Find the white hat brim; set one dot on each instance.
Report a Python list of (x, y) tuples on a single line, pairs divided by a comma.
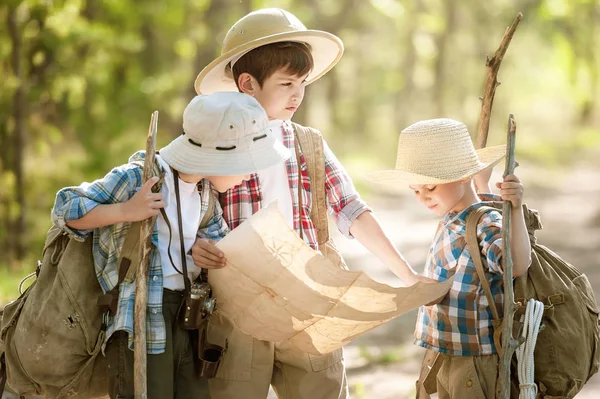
[(326, 49), (488, 157), (191, 159)]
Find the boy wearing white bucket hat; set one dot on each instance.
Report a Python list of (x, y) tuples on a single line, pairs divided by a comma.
[(225, 138), (270, 55), (437, 160)]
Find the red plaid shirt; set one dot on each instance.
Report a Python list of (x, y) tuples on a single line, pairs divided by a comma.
[(344, 203)]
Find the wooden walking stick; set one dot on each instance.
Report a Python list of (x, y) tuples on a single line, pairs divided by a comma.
[(491, 82), (509, 343), (141, 285)]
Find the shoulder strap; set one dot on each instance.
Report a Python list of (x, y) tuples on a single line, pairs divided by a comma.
[(311, 144), (473, 245), (211, 208)]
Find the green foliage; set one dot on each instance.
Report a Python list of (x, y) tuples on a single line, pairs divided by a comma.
[(93, 71)]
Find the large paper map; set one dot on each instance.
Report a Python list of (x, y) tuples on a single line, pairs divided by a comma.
[(276, 288)]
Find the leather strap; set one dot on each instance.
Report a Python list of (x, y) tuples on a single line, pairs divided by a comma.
[(473, 245), (203, 223), (186, 280), (128, 258)]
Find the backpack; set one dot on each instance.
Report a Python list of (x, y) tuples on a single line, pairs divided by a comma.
[(53, 333), (566, 353), (310, 141)]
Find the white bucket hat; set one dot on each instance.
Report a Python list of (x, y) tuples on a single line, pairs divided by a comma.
[(224, 134), (266, 26), (437, 151)]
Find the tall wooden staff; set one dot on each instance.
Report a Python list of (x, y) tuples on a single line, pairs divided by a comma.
[(509, 344), (141, 285)]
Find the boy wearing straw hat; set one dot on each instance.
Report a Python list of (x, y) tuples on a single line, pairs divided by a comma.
[(225, 138), (270, 55), (437, 160)]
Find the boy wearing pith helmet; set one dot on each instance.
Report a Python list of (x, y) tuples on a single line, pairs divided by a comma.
[(225, 138), (270, 55), (436, 159)]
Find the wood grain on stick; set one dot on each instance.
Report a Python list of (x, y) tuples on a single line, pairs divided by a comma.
[(141, 295), (509, 343), (491, 82)]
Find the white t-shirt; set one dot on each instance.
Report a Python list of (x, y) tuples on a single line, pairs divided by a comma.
[(190, 210), (274, 182)]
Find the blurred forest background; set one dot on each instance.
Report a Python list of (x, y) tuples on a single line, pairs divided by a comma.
[(81, 78)]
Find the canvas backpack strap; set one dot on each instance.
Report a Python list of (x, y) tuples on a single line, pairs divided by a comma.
[(210, 210), (310, 142), (212, 199), (128, 258), (473, 245)]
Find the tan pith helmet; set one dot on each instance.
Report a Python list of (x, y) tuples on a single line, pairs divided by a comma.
[(266, 26)]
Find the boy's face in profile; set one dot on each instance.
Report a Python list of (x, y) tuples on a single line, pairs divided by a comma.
[(220, 183), (281, 94), (224, 183), (444, 198)]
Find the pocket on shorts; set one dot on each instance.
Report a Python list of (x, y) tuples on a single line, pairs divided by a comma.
[(479, 373), (323, 362), (236, 364)]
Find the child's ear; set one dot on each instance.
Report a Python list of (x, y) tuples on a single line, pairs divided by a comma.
[(246, 84)]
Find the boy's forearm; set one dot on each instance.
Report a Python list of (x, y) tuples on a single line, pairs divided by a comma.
[(102, 215), (520, 245), (367, 230)]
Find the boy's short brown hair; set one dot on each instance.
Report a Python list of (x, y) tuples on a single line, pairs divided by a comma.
[(262, 62)]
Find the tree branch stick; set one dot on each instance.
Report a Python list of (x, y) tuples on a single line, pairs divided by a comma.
[(493, 66), (509, 343), (141, 286)]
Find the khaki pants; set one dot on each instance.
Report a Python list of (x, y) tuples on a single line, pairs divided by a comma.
[(250, 366), (464, 377), (171, 374)]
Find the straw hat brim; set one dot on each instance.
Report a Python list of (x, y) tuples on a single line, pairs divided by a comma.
[(189, 158), (326, 49), (488, 157)]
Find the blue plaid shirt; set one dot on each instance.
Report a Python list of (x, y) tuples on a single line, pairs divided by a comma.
[(461, 324), (120, 185)]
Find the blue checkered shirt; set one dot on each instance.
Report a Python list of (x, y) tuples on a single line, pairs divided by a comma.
[(120, 185), (461, 324)]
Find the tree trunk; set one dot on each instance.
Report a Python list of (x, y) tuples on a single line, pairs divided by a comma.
[(17, 232), (214, 16), (403, 99), (442, 40)]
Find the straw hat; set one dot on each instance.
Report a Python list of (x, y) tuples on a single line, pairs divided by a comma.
[(437, 151), (266, 26), (224, 134)]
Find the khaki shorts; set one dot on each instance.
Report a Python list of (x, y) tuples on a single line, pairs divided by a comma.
[(462, 377), (249, 367)]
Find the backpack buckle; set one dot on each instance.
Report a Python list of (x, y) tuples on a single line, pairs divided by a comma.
[(105, 318)]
